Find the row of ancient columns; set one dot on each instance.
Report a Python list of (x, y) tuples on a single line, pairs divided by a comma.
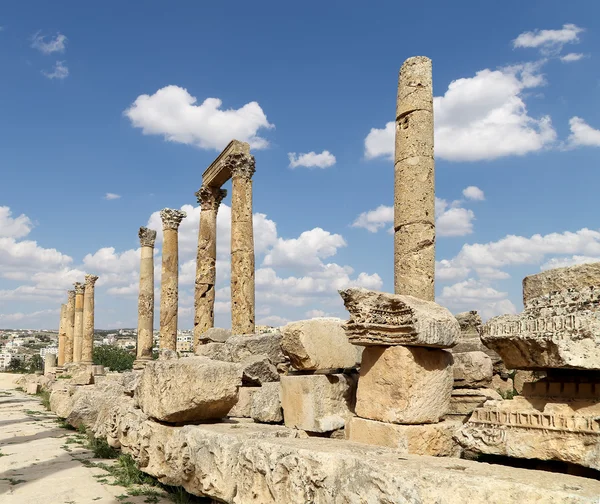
[(76, 329)]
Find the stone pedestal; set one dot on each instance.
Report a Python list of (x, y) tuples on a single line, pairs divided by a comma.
[(404, 385), (242, 244), (169, 289), (209, 199), (49, 361), (146, 298), (414, 196), (69, 327), (87, 347), (78, 326), (62, 334)]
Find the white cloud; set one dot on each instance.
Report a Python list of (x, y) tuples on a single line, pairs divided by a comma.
[(473, 193), (373, 220), (582, 134), (273, 321), (60, 71), (569, 58), (480, 118), (16, 227), (111, 196), (312, 159), (13, 317), (173, 113), (451, 219), (54, 44), (563, 262), (550, 42)]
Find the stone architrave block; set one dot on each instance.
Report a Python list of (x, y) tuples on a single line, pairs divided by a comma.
[(241, 347), (464, 401), (258, 369), (435, 440), (472, 370), (188, 389), (317, 403), (215, 335), (382, 319), (577, 278), (216, 351), (404, 385), (243, 407), (318, 344), (266, 404)]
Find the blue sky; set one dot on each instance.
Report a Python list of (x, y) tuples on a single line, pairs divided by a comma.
[(110, 99)]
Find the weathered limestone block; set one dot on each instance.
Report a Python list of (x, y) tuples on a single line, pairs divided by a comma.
[(472, 370), (577, 278), (318, 343), (257, 369), (318, 403), (89, 401), (435, 440), (243, 346), (103, 424), (266, 404), (81, 374), (379, 318), (502, 386), (215, 335), (523, 377), (188, 389), (216, 351), (464, 401), (243, 406), (33, 388), (61, 400), (406, 385)]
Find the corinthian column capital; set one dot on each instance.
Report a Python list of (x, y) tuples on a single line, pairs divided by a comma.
[(210, 198), (171, 218), (71, 295), (79, 288), (241, 165), (90, 280), (147, 237)]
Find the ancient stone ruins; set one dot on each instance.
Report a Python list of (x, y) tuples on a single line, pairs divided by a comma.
[(403, 402)]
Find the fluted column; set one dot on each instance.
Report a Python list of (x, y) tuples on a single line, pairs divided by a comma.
[(169, 288), (414, 193), (78, 328), (62, 335), (146, 297), (87, 348), (242, 244), (69, 327), (206, 273)]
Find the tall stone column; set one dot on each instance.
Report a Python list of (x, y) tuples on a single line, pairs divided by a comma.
[(62, 335), (78, 328), (206, 273), (169, 288), (146, 297), (87, 347), (70, 327), (242, 244), (414, 195)]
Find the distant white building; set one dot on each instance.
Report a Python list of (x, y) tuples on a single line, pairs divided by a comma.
[(185, 343), (50, 349), (6, 357)]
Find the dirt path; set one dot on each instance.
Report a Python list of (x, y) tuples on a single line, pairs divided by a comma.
[(43, 463)]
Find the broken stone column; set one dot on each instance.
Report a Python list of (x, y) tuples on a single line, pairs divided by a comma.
[(169, 289), (87, 347), (69, 327), (206, 273), (78, 327), (146, 297), (414, 195), (242, 168), (62, 335)]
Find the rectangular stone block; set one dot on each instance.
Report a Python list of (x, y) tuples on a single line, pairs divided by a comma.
[(404, 385), (243, 406), (33, 388), (464, 401), (318, 344), (430, 439), (188, 389), (317, 403), (472, 370), (379, 318)]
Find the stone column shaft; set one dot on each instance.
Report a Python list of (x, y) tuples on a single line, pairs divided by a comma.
[(242, 247), (146, 297), (169, 289), (206, 272), (69, 327), (78, 328), (62, 335), (87, 347), (414, 192)]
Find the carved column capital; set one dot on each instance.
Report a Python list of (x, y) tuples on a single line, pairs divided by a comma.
[(90, 280), (79, 288), (210, 198), (241, 165), (171, 218), (147, 237), (71, 295)]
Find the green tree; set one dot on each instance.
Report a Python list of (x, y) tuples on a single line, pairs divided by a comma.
[(117, 359), (14, 365), (36, 363)]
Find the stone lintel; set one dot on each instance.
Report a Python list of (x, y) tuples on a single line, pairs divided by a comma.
[(219, 172)]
